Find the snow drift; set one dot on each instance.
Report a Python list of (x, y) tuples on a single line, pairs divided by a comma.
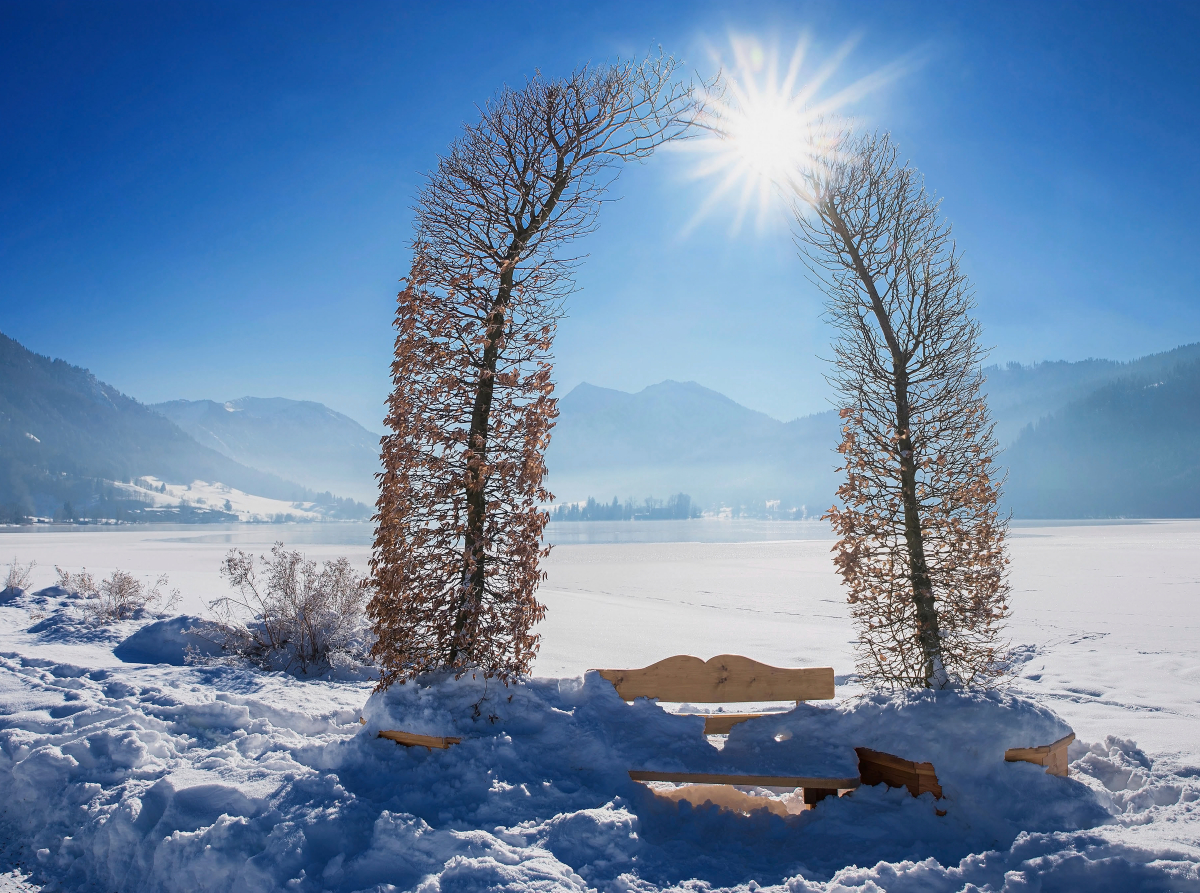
[(153, 776)]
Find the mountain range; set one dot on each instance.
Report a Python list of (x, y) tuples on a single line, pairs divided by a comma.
[(67, 439), (1089, 439), (295, 439), (1095, 438), (682, 437)]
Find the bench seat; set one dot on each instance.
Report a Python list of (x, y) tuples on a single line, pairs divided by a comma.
[(1052, 756), (731, 678), (765, 781)]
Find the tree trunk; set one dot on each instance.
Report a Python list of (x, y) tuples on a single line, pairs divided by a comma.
[(474, 551), (474, 545), (918, 568), (922, 585)]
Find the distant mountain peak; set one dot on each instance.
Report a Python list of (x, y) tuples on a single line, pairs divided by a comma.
[(668, 388), (298, 439)]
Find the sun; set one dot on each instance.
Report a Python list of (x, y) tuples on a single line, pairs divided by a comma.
[(763, 119), (761, 128)]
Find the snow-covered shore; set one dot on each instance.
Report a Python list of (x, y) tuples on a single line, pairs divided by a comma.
[(131, 776)]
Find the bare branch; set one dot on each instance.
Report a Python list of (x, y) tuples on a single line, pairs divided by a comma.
[(921, 546), (459, 535)]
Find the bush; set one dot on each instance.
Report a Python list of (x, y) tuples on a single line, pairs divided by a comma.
[(77, 584), (289, 613), (18, 575), (120, 597)]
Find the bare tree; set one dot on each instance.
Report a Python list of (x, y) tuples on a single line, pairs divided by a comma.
[(459, 535), (921, 545)]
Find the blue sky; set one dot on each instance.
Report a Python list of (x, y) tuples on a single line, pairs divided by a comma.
[(212, 199)]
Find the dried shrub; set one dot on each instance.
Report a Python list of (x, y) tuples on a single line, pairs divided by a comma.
[(289, 613), (121, 596), (19, 574), (81, 583)]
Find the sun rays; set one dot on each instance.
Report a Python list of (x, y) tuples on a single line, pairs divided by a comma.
[(761, 123)]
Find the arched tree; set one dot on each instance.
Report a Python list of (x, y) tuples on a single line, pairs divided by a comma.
[(922, 546), (459, 530)]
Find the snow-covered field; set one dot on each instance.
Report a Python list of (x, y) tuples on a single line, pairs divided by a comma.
[(202, 494), (130, 776)]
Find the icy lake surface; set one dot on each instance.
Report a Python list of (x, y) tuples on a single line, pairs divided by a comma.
[(1106, 622)]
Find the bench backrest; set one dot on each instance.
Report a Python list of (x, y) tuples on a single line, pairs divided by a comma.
[(722, 679)]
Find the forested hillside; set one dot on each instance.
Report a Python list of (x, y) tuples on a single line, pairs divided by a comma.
[(1020, 395), (1130, 448), (64, 434)]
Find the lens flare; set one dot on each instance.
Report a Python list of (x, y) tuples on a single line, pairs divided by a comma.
[(761, 126)]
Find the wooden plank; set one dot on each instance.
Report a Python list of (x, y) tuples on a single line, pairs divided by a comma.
[(721, 723), (1059, 763), (724, 797), (411, 739), (766, 781), (724, 678), (813, 796), (877, 767), (1052, 756)]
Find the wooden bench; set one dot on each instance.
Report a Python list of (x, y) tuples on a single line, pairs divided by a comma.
[(729, 678), (1052, 756), (876, 767)]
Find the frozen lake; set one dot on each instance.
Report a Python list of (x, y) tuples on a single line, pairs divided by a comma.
[(1108, 615)]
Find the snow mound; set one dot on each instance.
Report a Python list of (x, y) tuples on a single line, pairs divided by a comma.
[(573, 737), (58, 617), (143, 776), (165, 642)]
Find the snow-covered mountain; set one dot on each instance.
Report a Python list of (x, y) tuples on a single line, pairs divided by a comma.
[(67, 440), (296, 439)]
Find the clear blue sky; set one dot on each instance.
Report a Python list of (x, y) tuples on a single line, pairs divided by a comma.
[(212, 199)]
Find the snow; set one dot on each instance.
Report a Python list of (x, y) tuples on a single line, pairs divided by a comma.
[(145, 774), (165, 642), (218, 496)]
